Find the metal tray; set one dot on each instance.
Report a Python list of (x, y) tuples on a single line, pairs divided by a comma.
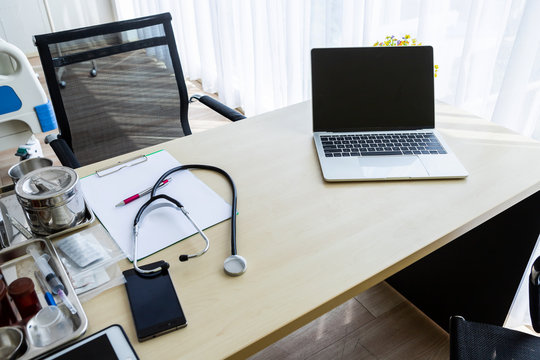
[(14, 209), (89, 218), (16, 255)]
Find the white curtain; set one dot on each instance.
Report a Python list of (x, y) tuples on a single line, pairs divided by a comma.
[(256, 53)]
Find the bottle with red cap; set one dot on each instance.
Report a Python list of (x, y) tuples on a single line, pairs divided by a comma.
[(24, 295)]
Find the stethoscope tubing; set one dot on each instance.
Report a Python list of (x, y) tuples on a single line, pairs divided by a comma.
[(154, 197), (212, 168)]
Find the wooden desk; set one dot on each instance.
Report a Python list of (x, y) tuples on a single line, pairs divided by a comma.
[(312, 245)]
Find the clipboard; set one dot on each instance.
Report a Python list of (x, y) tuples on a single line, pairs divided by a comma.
[(120, 165), (164, 225)]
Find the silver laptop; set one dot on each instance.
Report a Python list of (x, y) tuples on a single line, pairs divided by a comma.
[(374, 115)]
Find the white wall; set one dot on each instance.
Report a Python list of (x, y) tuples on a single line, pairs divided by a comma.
[(21, 19)]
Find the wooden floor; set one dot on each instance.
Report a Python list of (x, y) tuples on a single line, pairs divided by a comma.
[(377, 324)]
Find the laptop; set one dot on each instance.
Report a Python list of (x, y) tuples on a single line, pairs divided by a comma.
[(374, 115)]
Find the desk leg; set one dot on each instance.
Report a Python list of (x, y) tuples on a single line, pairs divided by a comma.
[(476, 275)]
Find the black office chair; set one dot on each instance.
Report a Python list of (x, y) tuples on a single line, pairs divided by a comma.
[(471, 340), (116, 88)]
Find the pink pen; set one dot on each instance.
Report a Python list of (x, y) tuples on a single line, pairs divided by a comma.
[(142, 193)]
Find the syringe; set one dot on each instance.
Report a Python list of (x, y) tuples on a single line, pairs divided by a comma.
[(42, 262)]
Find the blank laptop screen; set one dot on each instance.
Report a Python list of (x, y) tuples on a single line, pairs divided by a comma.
[(372, 89)]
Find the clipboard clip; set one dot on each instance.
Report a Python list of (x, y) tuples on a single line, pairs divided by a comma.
[(120, 165)]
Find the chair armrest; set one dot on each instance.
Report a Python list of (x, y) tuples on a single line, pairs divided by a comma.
[(62, 151), (218, 107), (534, 295)]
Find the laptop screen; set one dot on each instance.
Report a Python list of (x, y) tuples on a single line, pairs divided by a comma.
[(372, 88)]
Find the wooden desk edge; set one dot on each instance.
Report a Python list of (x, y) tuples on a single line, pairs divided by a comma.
[(381, 276)]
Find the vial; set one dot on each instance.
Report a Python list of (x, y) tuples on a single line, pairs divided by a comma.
[(24, 295), (7, 317)]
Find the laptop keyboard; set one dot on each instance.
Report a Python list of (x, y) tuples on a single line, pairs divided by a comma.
[(381, 144)]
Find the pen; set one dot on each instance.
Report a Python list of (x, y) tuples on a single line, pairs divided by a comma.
[(142, 193)]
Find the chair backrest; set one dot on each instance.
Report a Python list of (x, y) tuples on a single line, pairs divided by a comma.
[(471, 340), (115, 87)]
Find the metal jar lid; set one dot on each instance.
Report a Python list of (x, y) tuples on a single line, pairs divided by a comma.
[(47, 187)]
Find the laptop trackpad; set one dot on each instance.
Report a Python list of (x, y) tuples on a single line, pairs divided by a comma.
[(398, 167)]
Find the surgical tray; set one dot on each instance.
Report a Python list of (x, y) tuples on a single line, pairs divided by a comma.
[(15, 259)]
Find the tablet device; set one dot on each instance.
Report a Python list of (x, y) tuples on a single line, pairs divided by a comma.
[(108, 344)]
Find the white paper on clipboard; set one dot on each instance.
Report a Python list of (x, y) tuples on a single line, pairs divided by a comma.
[(162, 226)]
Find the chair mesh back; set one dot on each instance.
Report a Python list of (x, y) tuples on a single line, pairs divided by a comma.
[(131, 101), (471, 341)]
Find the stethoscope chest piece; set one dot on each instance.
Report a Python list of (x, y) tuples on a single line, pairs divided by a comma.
[(235, 265)]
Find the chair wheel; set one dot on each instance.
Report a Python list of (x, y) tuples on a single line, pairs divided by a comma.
[(93, 73), (62, 84)]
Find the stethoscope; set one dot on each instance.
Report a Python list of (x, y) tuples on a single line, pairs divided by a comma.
[(234, 265)]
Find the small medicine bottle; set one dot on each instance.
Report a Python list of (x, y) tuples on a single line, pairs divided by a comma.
[(24, 295), (7, 316)]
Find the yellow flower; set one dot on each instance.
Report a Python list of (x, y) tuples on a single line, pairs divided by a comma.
[(391, 40)]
